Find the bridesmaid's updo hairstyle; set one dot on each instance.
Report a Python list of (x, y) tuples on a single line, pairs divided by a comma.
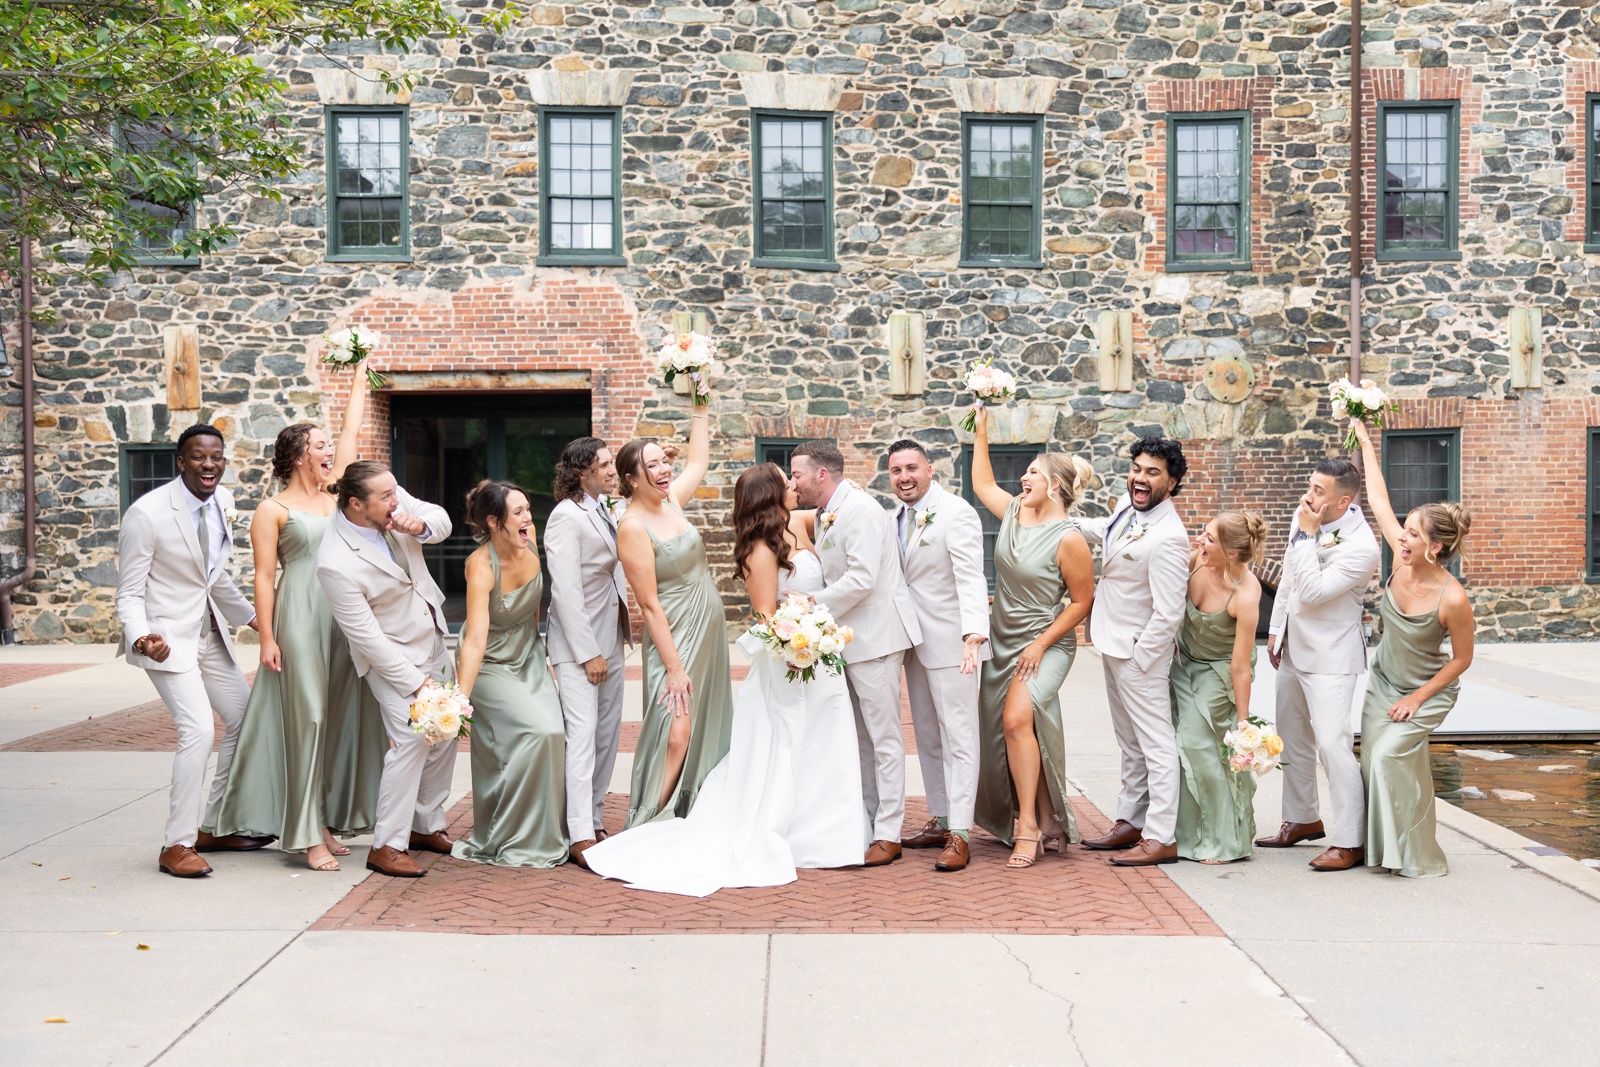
[(1068, 476), (759, 517), (490, 500), (1447, 525), (1242, 535), (630, 464), (291, 445)]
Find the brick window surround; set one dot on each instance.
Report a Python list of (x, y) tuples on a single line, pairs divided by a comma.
[(1403, 84), (1173, 96), (1583, 79)]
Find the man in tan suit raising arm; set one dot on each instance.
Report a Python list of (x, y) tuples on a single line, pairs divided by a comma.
[(392, 614)]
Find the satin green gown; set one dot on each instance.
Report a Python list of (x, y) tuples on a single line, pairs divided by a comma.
[(519, 742), (695, 617), (1401, 834), (1029, 593), (1216, 817), (311, 749)]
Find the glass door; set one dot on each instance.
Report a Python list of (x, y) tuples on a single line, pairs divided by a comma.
[(442, 446)]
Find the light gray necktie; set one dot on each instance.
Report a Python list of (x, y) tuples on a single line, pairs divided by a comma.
[(905, 528), (203, 531)]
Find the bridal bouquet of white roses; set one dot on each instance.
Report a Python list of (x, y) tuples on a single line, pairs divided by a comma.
[(349, 347), (440, 712), (804, 636), (693, 354), (987, 383), (1251, 746), (1365, 402)]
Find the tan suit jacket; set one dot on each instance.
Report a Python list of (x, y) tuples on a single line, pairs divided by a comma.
[(944, 573), (588, 598), (865, 588), (1144, 583), (1321, 597)]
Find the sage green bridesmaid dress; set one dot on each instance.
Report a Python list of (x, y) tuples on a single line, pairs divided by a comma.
[(1216, 816), (519, 743), (311, 749), (1394, 755), (695, 617), (1029, 593)]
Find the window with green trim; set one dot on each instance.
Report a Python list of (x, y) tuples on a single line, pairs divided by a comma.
[(1592, 568), (1002, 162), (1420, 467), (141, 468), (1009, 463), (165, 222), (368, 177), (580, 187), (1208, 178), (1591, 154), (777, 450), (1418, 194), (792, 172)]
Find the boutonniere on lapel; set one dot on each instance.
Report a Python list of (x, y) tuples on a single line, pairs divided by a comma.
[(614, 507), (1331, 539), (924, 518), (1134, 532), (824, 524), (230, 519)]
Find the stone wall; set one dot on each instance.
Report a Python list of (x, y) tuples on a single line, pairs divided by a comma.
[(808, 350)]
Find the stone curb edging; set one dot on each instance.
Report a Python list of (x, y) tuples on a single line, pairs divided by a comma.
[(1542, 858)]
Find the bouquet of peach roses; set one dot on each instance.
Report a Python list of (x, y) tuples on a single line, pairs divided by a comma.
[(804, 636), (440, 712), (987, 383), (1251, 746)]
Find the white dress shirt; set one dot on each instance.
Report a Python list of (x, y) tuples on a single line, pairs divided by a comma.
[(367, 532), (216, 541), (908, 515)]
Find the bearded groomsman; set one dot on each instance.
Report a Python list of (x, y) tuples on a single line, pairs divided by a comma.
[(1144, 583), (941, 549), (173, 583), (392, 613), (865, 590), (588, 630), (1317, 646)]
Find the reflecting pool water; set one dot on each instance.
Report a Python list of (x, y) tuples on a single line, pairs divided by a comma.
[(1549, 792)]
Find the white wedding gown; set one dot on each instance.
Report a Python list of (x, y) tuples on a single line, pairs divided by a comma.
[(787, 794)]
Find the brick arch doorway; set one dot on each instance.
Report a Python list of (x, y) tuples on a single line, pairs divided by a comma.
[(443, 444)]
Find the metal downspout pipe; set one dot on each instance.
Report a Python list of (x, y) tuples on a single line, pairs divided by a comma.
[(8, 632)]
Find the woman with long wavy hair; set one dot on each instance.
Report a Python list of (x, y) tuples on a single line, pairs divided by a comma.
[(788, 793)]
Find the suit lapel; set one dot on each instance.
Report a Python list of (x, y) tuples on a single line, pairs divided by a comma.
[(597, 522), (369, 552), (1111, 527), (929, 503), (179, 496)]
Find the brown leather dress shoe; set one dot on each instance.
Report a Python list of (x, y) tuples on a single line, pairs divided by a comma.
[(394, 863), (930, 836), (1123, 835), (205, 842), (181, 861), (575, 853), (1292, 832), (1338, 858), (434, 842), (1147, 853), (600, 834), (881, 852), (955, 855)]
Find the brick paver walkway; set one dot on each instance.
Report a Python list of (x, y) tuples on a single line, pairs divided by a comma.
[(1082, 894), (12, 673)]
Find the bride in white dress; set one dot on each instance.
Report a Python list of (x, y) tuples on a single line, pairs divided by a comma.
[(788, 793)]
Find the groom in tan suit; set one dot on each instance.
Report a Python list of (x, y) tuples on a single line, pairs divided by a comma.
[(392, 614)]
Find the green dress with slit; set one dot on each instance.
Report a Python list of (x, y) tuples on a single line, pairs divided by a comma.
[(1029, 592), (1216, 814), (1401, 834), (311, 749), (694, 611), (519, 741)]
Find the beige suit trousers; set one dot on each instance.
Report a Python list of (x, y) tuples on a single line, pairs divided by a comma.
[(416, 776), (214, 682), (944, 718), (875, 694), (1141, 718)]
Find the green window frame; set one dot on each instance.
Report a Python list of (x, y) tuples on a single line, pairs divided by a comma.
[(1000, 211), (777, 450), (1420, 467), (1419, 201), (1591, 155), (1200, 205), (143, 467), (152, 250), (1591, 568), (369, 184), (792, 222), (578, 202), (1010, 463)]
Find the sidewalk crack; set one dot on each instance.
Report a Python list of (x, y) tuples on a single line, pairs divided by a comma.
[(1027, 969)]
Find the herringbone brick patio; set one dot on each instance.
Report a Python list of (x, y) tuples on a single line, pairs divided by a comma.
[(12, 673)]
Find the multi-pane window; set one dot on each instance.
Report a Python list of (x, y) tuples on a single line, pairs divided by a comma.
[(1421, 467), (1208, 175), (793, 180), (1593, 566), (1417, 165), (1592, 155), (1009, 463), (776, 450), (145, 467), (165, 224), (1002, 160), (580, 217), (368, 165)]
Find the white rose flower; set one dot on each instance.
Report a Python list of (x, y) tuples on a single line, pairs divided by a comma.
[(828, 645)]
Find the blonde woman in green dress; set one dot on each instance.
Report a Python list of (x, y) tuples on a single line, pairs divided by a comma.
[(1413, 681), (519, 742), (1039, 555), (688, 703), (311, 750), (1210, 681)]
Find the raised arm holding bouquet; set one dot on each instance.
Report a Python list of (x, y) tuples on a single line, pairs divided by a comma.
[(693, 354), (1363, 403), (987, 383), (353, 346)]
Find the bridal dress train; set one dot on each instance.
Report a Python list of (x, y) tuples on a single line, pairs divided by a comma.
[(787, 795)]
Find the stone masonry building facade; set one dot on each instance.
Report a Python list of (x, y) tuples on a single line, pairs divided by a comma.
[(860, 197)]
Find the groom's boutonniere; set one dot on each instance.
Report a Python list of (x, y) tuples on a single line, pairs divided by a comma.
[(824, 524), (1330, 539), (613, 506)]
